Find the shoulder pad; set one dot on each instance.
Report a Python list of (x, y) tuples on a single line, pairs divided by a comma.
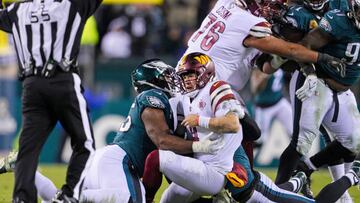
[(220, 91), (260, 30)]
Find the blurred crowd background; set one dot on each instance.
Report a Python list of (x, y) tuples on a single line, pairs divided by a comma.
[(119, 36)]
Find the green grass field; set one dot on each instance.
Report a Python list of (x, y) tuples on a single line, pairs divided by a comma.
[(57, 173)]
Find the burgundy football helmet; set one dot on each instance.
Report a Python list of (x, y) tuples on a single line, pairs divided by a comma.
[(198, 63)]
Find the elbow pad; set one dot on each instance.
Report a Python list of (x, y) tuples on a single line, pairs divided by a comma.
[(232, 106)]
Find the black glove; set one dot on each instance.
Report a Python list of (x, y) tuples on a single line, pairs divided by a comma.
[(336, 63)]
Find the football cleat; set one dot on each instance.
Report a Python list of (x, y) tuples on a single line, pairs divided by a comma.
[(306, 189), (7, 164), (301, 179), (224, 196), (60, 197), (356, 168)]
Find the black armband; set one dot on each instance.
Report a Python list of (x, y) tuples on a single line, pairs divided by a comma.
[(307, 68), (260, 60)]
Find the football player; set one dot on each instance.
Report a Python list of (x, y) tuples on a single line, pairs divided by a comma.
[(299, 20), (210, 110), (45, 187), (302, 19), (270, 103), (114, 172), (233, 36), (333, 104)]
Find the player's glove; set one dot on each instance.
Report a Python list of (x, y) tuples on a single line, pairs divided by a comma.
[(210, 144), (336, 63), (277, 61), (308, 88)]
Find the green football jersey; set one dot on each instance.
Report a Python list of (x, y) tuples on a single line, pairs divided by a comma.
[(272, 92), (132, 136), (302, 18), (345, 46), (305, 20)]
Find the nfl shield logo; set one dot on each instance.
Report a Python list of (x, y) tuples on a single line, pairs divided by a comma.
[(202, 105)]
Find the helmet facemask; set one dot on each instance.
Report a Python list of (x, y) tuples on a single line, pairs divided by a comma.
[(156, 74), (355, 12), (316, 5)]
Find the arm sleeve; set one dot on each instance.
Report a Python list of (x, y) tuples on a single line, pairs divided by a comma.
[(86, 7)]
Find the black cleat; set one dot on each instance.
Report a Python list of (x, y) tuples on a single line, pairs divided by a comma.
[(306, 189), (60, 197)]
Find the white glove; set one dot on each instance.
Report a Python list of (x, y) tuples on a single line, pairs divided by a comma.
[(210, 144), (308, 88)]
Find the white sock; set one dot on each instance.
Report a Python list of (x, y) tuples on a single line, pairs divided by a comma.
[(310, 164), (353, 178), (348, 166), (346, 195), (336, 171), (104, 195), (45, 187), (296, 183)]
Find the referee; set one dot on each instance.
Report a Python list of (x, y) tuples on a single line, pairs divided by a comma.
[(47, 39)]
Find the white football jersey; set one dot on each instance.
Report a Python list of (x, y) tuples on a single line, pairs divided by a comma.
[(208, 103), (221, 37)]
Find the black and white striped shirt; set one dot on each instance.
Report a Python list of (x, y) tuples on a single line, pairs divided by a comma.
[(47, 29)]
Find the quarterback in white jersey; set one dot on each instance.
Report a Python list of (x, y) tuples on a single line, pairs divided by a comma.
[(210, 110)]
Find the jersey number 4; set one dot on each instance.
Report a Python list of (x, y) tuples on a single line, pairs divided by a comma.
[(212, 35)]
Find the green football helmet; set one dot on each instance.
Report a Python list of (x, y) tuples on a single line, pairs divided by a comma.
[(154, 73), (354, 12)]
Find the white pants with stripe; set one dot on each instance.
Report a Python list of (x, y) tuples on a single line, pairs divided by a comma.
[(191, 178), (280, 111), (266, 192), (108, 178), (343, 125)]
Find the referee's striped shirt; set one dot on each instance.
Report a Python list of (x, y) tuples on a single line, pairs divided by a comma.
[(44, 29)]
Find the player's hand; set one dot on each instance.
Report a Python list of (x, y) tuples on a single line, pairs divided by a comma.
[(338, 64), (277, 61), (191, 120), (210, 144), (308, 88)]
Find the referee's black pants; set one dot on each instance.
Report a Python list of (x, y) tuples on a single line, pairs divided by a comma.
[(44, 102)]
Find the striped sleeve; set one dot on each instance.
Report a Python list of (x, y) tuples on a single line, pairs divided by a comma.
[(220, 91), (260, 30)]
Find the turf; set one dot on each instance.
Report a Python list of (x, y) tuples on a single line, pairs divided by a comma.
[(57, 173)]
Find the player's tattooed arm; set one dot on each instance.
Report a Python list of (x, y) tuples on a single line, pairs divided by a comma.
[(160, 133), (228, 123)]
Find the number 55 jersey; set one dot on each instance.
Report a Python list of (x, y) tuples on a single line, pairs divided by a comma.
[(221, 37)]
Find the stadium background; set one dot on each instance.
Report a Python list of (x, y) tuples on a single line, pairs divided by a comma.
[(137, 29)]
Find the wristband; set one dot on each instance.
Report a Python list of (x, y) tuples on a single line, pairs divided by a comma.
[(204, 121)]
